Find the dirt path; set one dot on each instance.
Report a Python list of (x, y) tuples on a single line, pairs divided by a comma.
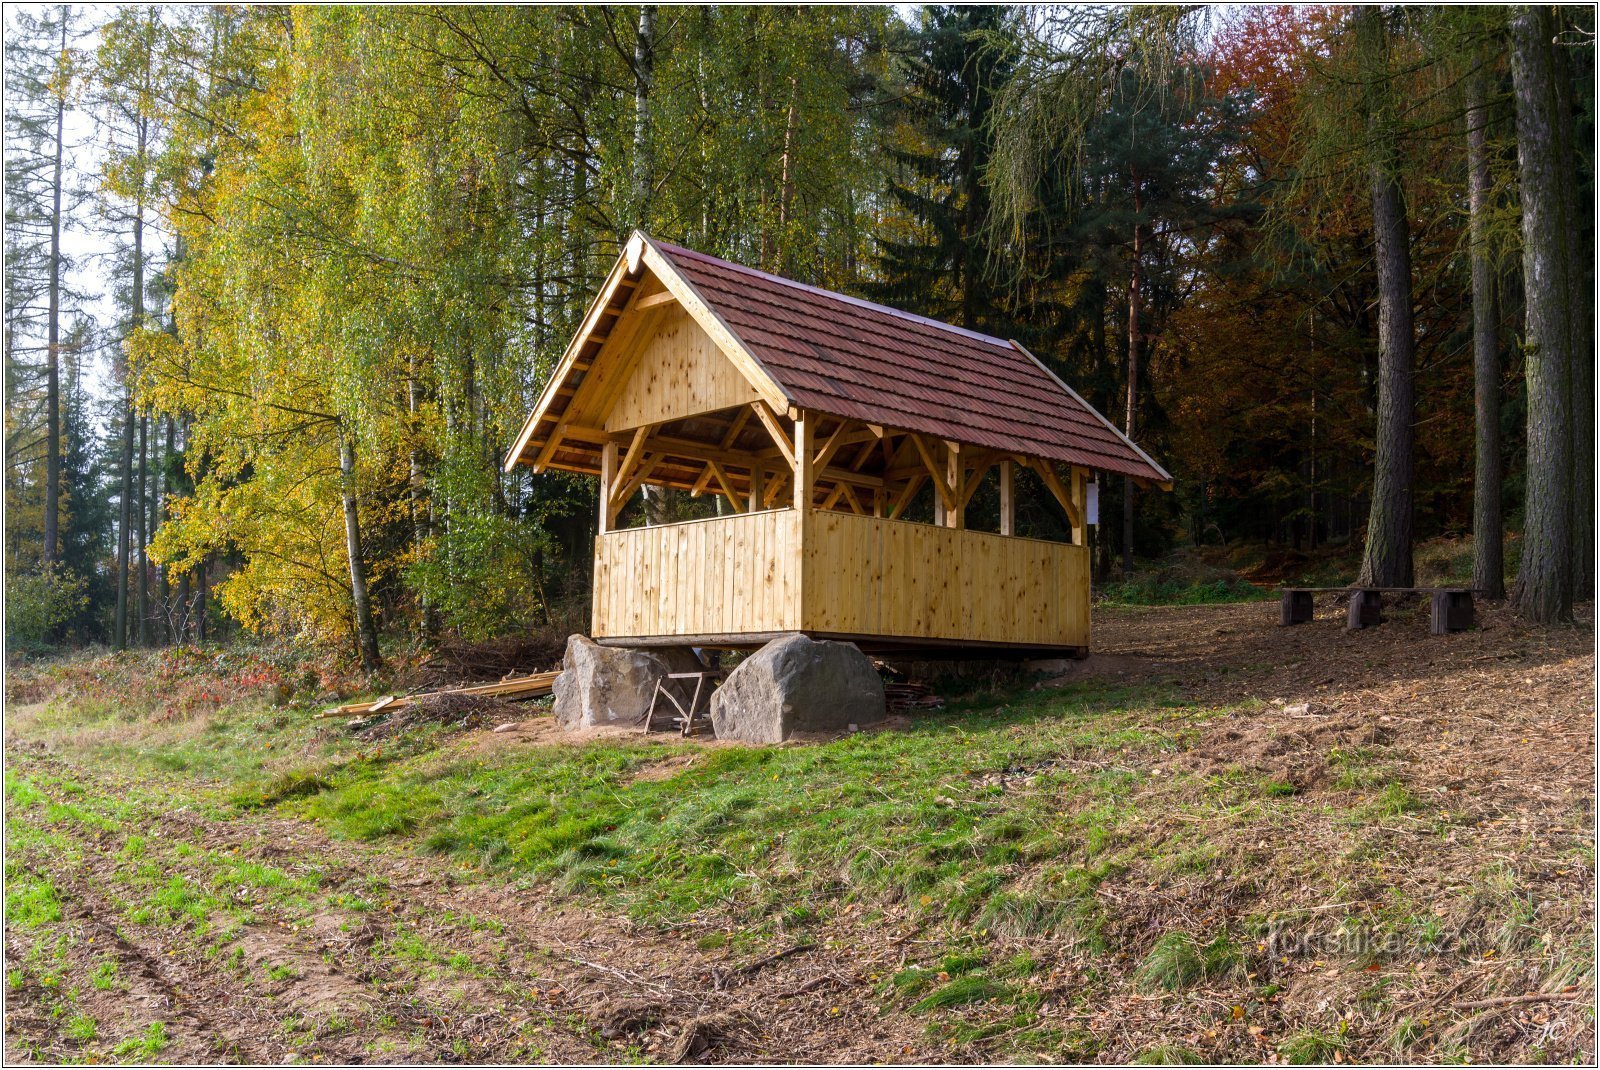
[(428, 968)]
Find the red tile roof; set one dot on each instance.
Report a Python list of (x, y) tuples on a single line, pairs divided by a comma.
[(846, 357)]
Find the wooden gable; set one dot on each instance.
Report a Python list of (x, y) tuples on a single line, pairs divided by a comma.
[(676, 371)]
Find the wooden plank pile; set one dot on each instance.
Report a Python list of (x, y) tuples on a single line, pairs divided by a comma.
[(910, 696), (534, 685)]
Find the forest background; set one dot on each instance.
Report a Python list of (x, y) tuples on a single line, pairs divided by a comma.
[(282, 283)]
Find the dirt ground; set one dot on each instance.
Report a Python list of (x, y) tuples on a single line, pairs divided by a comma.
[(1497, 724)]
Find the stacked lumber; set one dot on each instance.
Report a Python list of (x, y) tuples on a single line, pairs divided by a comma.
[(534, 685), (910, 696)]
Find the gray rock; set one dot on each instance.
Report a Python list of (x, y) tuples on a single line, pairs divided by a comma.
[(613, 685), (795, 684)]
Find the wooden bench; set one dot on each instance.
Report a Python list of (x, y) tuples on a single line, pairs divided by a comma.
[(1452, 608)]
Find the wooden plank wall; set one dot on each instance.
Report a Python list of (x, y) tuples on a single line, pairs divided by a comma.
[(868, 576), (721, 576), (679, 371), (857, 575)]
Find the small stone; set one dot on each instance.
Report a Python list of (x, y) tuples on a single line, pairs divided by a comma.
[(509, 726)]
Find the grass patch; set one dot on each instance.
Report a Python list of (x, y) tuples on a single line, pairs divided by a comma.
[(900, 815), (31, 900), (1178, 960), (1169, 1055), (1312, 1046), (960, 991), (146, 1044)]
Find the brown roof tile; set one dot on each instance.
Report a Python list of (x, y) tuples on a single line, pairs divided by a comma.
[(847, 357)]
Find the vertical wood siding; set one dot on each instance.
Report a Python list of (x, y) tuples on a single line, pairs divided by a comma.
[(851, 575)]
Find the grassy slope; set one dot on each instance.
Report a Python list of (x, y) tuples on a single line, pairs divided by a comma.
[(1065, 865)]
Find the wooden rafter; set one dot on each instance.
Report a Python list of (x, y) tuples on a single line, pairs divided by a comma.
[(665, 297), (1052, 482), (913, 485), (825, 454), (629, 460), (740, 418), (974, 479), (727, 486), (649, 465), (617, 281), (934, 470), (775, 488), (780, 437), (850, 496)]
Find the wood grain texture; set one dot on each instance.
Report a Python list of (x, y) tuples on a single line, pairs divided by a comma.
[(678, 371), (788, 570), (870, 576)]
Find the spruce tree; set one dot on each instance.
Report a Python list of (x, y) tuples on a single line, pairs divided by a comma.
[(956, 61)]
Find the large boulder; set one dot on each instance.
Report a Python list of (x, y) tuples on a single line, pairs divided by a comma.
[(795, 684), (613, 685)]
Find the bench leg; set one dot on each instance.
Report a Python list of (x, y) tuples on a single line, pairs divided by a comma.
[(1366, 610), (1296, 608), (651, 716), (694, 705), (1452, 611)]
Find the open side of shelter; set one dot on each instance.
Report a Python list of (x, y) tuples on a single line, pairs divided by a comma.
[(819, 418)]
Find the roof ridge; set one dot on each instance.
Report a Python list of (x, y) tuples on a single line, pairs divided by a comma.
[(928, 321)]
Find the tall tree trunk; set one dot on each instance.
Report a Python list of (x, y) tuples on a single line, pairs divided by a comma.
[(142, 532), (163, 581), (418, 489), (52, 374), (1387, 560), (124, 526), (202, 590), (1578, 232), (1488, 534), (1543, 591), (644, 79), (1135, 344), (366, 632), (786, 176)]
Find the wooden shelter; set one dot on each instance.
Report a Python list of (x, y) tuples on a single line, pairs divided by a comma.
[(819, 417)]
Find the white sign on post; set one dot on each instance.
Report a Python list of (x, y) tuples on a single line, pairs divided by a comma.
[(1094, 504)]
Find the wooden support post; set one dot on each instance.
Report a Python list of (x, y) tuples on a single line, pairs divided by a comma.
[(1296, 607), (1366, 609), (608, 474), (1080, 498), (803, 472), (1452, 611), (756, 501), (955, 477), (1008, 502)]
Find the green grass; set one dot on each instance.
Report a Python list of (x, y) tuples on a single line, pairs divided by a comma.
[(145, 1044), (896, 814), (1312, 1046), (1178, 960), (31, 900)]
